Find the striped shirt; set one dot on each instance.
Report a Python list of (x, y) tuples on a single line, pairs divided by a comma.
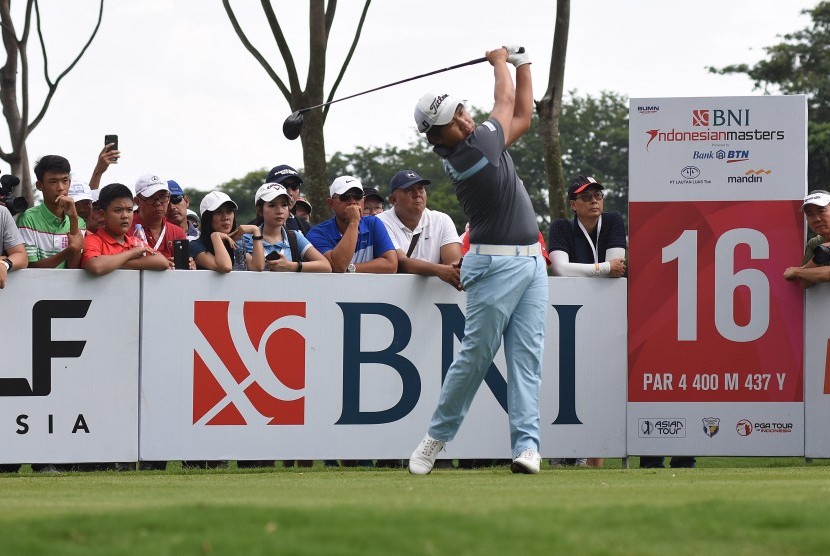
[(44, 233)]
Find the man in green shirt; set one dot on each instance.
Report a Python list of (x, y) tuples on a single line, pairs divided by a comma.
[(52, 230)]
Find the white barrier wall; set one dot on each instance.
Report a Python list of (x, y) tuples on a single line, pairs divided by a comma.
[(817, 372), (266, 366), (69, 369)]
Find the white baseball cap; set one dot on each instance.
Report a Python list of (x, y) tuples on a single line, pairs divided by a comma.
[(270, 191), (80, 191), (435, 109), (343, 184), (150, 184), (214, 200), (818, 197)]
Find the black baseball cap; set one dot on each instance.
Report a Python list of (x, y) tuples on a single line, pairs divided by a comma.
[(406, 179), (372, 192), (582, 183), (281, 173)]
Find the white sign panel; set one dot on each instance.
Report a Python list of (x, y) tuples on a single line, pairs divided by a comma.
[(264, 366), (817, 372), (69, 372)]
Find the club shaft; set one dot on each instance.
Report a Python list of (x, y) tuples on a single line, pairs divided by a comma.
[(456, 66)]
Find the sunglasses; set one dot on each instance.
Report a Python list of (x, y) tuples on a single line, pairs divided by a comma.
[(346, 197), (586, 197), (176, 199)]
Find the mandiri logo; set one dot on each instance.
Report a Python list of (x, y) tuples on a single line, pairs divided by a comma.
[(250, 372)]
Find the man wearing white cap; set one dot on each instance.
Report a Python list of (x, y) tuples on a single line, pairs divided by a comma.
[(503, 272), (152, 195), (351, 242), (817, 214)]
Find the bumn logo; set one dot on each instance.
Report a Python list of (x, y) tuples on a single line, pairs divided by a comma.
[(241, 376)]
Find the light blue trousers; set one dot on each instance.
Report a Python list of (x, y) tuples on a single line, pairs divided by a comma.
[(506, 297)]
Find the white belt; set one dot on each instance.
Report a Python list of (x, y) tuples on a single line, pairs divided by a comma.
[(507, 250)]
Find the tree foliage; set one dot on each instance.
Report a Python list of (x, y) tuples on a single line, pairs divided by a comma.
[(241, 190), (594, 138), (21, 114), (311, 93), (800, 64)]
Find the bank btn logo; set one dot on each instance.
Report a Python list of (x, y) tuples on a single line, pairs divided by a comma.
[(711, 426), (250, 372)]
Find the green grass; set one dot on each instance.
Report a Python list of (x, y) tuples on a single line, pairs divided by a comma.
[(729, 506)]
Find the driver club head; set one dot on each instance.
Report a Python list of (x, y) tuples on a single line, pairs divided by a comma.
[(293, 125)]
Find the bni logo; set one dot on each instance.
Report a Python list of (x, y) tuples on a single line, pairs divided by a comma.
[(250, 372)]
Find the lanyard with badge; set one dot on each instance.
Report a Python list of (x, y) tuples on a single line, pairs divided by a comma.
[(588, 237)]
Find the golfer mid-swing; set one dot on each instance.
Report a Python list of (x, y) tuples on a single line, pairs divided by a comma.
[(503, 272)]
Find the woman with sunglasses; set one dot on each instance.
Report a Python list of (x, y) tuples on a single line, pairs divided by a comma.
[(285, 251), (219, 246)]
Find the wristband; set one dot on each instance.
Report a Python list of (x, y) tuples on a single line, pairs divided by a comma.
[(256, 238), (9, 264), (299, 266)]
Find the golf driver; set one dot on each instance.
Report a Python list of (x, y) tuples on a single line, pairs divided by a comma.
[(293, 124)]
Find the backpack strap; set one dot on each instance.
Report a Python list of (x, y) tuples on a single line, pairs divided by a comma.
[(295, 248)]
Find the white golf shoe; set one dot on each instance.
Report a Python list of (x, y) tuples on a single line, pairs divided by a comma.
[(423, 458), (526, 462)]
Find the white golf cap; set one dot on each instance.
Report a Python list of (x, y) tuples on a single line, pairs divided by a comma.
[(150, 184), (435, 109), (270, 191), (80, 191), (819, 198), (343, 184), (214, 200)]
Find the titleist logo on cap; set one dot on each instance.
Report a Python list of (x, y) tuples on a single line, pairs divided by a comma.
[(437, 103)]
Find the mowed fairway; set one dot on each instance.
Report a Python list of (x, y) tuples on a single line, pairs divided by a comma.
[(716, 509)]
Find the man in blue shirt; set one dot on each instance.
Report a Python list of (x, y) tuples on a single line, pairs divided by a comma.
[(351, 242)]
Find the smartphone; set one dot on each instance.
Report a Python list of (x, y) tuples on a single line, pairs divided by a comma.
[(273, 256), (111, 139), (181, 254)]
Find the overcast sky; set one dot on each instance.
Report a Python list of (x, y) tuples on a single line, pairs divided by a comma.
[(188, 102)]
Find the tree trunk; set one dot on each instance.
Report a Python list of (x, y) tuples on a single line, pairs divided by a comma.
[(314, 161), (550, 110)]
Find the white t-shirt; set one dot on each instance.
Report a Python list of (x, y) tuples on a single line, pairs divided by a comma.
[(437, 229)]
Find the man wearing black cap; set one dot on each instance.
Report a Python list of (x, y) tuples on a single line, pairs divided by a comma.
[(426, 240), (289, 178), (373, 202), (593, 243)]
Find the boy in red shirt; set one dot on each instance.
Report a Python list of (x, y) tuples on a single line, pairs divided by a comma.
[(111, 247)]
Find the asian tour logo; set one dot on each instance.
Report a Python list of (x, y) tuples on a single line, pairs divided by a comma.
[(248, 369)]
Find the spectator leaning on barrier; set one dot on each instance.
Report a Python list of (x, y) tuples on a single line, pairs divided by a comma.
[(425, 240), (817, 268), (177, 210), (111, 247), (220, 246), (82, 195), (503, 273), (350, 242), (12, 249), (152, 197), (285, 250), (302, 209), (591, 245), (96, 215), (373, 202), (52, 230), (288, 177)]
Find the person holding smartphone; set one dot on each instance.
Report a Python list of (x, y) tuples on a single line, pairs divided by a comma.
[(219, 247), (285, 250)]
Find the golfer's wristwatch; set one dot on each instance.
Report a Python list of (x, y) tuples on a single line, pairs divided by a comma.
[(351, 268)]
